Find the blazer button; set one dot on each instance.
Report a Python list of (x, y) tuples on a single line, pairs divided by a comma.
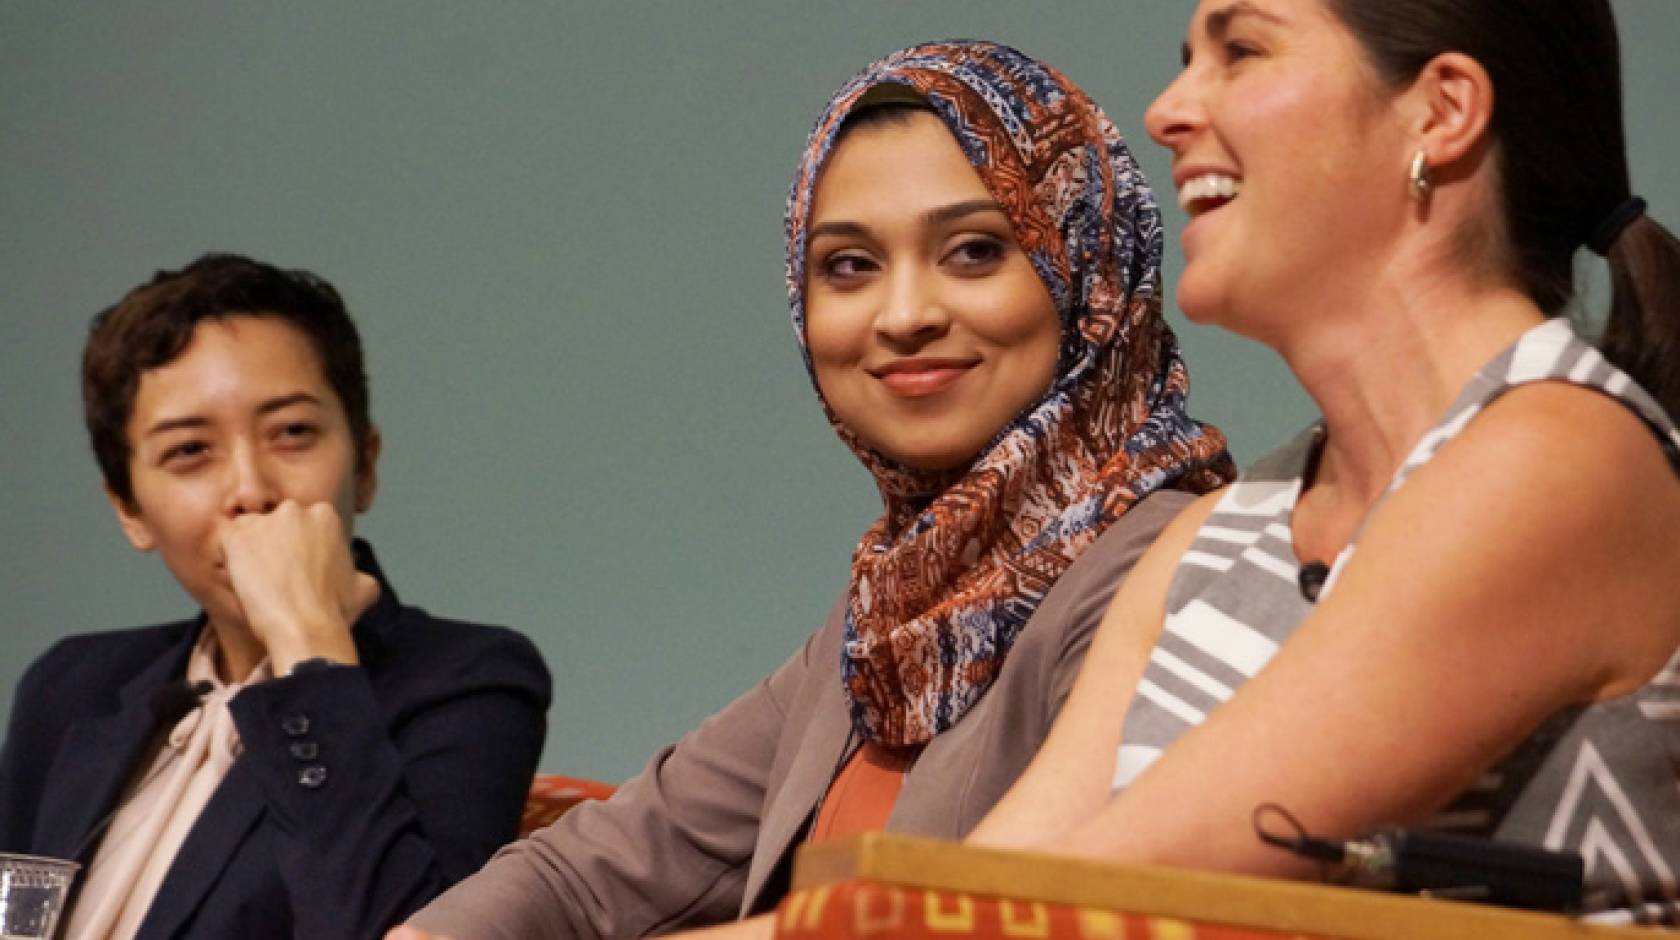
[(312, 777), (295, 725), (304, 750)]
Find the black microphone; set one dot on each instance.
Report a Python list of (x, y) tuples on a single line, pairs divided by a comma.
[(1312, 577), (170, 703), (1443, 865), (1462, 868)]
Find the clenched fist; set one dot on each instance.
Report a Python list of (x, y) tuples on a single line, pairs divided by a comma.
[(297, 586)]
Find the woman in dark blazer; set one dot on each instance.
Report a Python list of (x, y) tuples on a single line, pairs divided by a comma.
[(307, 756)]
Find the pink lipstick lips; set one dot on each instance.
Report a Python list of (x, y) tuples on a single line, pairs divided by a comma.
[(921, 377)]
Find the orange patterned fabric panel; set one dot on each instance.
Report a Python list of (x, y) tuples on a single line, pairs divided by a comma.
[(552, 794), (867, 909)]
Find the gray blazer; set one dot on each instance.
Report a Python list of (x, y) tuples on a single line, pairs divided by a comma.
[(705, 832)]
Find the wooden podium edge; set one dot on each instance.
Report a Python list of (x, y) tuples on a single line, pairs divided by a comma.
[(1185, 894)]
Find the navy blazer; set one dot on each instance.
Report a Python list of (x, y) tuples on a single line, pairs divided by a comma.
[(361, 793)]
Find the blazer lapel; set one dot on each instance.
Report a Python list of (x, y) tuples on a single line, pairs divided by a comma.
[(97, 758), (233, 811), (373, 632), (238, 804), (825, 736)]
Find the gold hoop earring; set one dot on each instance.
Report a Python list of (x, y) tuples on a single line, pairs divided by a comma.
[(1418, 178)]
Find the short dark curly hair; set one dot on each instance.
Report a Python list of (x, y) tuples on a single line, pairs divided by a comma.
[(153, 323)]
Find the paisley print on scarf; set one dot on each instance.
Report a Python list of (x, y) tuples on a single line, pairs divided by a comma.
[(945, 580)]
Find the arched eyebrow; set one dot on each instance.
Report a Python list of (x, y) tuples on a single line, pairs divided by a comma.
[(286, 401), (958, 210), (1218, 23), (939, 215), (178, 424)]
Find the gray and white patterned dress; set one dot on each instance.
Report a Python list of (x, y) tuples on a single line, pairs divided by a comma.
[(1602, 780)]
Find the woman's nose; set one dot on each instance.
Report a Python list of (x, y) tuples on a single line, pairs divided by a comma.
[(250, 486), (913, 312), (1171, 116)]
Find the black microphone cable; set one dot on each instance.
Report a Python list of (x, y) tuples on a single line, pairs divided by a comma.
[(1439, 864)]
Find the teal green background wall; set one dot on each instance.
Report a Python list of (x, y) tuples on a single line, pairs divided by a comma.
[(559, 227)]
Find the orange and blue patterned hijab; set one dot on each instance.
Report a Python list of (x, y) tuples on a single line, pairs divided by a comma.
[(946, 579)]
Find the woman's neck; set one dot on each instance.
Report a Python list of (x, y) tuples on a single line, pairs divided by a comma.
[(238, 651), (1382, 370)]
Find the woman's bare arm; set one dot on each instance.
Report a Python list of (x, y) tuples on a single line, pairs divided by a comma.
[(1529, 566), (1069, 779)]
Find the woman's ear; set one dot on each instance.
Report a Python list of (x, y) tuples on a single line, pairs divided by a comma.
[(1450, 105), (367, 472), (133, 524)]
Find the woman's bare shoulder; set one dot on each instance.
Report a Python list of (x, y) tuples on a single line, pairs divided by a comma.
[(1559, 499)]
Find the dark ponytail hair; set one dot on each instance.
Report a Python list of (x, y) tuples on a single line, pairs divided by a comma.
[(1557, 184), (1643, 333)]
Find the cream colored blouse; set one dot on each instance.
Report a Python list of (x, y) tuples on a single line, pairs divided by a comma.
[(161, 805)]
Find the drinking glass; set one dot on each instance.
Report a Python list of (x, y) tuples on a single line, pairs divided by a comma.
[(32, 893)]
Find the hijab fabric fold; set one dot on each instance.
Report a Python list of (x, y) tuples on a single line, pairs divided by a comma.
[(945, 580)]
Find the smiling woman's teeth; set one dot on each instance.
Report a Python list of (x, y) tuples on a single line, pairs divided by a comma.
[(1208, 191)]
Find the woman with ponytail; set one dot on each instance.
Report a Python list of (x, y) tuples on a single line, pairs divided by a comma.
[(1455, 600)]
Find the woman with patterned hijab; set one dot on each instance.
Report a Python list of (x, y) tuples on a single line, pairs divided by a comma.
[(973, 267)]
